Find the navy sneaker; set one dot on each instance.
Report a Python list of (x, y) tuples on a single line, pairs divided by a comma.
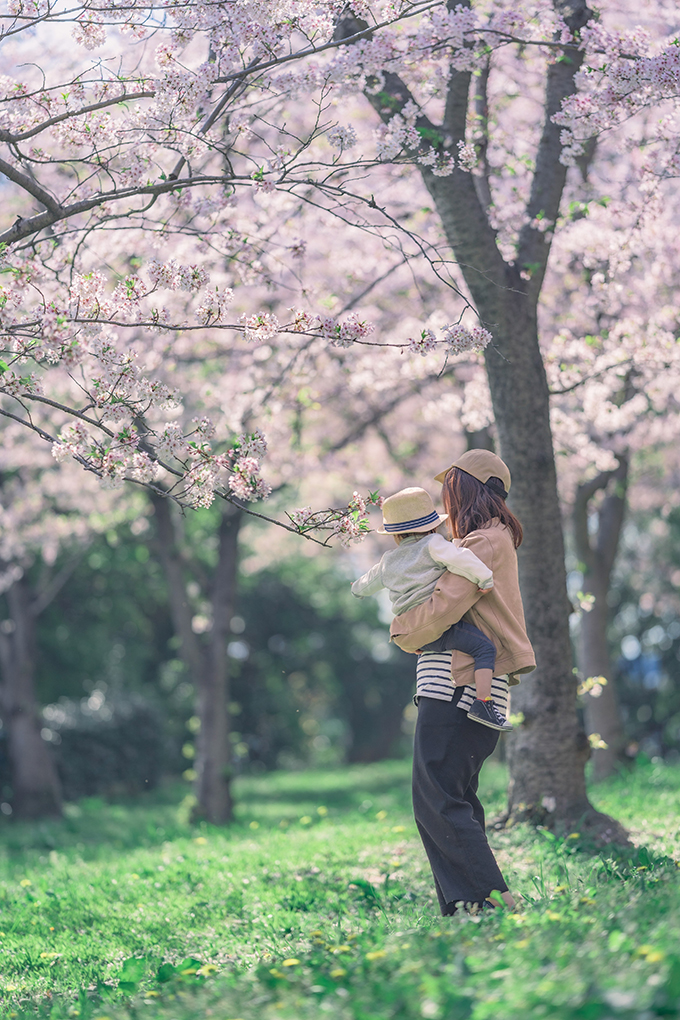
[(486, 713)]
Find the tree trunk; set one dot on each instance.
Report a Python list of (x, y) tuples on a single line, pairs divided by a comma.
[(603, 714), (547, 753), (213, 762), (597, 554), (206, 660), (36, 791)]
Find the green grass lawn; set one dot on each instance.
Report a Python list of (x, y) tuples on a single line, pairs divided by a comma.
[(318, 902)]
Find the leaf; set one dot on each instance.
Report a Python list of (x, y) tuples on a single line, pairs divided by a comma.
[(369, 891), (3, 366), (165, 972), (132, 972), (188, 968)]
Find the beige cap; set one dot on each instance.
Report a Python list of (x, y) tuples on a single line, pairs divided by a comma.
[(409, 510), (482, 465)]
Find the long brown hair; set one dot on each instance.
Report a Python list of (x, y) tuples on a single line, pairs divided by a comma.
[(471, 504)]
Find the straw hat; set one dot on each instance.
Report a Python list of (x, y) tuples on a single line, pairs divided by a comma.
[(409, 510), (482, 465)]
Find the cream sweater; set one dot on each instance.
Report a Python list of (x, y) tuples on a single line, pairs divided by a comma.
[(411, 571)]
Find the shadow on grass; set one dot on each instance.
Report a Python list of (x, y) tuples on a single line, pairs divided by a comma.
[(95, 828)]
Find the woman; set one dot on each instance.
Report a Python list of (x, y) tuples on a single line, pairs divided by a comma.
[(449, 748)]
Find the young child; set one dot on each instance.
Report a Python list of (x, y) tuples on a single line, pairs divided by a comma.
[(410, 574)]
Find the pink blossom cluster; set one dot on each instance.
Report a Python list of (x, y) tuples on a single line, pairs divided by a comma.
[(89, 33), (260, 327), (467, 156), (19, 385), (349, 524), (424, 344), (174, 276), (625, 74), (456, 339), (345, 333), (244, 481), (301, 516), (213, 307), (461, 340), (343, 137)]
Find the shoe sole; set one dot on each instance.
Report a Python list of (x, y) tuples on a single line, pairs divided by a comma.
[(483, 722)]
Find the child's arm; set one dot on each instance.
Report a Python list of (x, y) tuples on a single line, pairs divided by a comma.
[(369, 583), (460, 561)]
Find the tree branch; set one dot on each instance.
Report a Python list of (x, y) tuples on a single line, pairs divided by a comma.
[(21, 136), (584, 493), (463, 217), (30, 186), (550, 175), (611, 515), (54, 586), (480, 85)]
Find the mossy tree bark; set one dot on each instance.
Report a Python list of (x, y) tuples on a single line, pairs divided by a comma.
[(36, 790), (596, 552), (205, 655)]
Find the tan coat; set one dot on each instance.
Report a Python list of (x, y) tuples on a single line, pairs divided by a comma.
[(498, 613)]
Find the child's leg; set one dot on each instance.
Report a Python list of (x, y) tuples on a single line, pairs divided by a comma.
[(465, 637), (483, 678)]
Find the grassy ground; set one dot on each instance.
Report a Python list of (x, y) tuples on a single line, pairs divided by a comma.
[(318, 902)]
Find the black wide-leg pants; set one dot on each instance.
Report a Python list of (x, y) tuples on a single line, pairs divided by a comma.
[(449, 751)]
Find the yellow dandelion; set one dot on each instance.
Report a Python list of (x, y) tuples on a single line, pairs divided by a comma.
[(396, 863), (276, 973), (381, 815), (376, 955), (574, 835), (25, 882), (342, 949), (338, 972), (207, 969), (134, 876), (254, 825), (291, 962), (305, 820), (200, 841), (552, 916), (398, 828), (323, 811)]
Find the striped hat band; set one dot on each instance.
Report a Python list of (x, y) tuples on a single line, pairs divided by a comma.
[(418, 522)]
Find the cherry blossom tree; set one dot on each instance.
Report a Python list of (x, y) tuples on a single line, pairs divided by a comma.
[(332, 408), (110, 161), (614, 368), (45, 512)]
